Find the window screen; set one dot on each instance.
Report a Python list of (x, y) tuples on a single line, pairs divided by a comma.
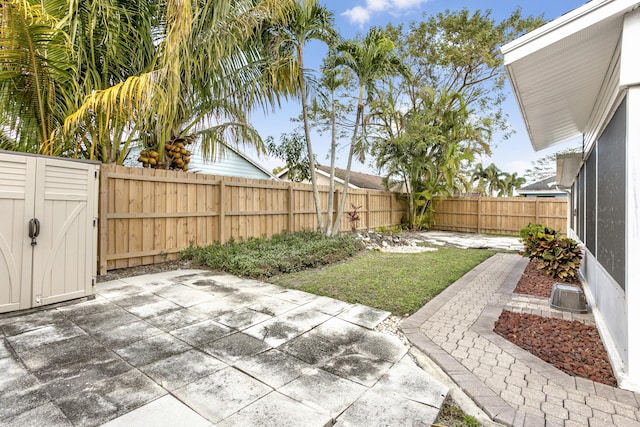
[(590, 201), (612, 196)]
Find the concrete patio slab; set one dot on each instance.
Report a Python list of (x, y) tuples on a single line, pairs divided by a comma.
[(152, 349), (382, 409), (176, 319), (324, 391), (364, 316), (273, 367), (197, 348), (166, 411), (202, 333), (268, 412), (109, 398), (243, 318), (221, 394), (236, 346), (179, 370)]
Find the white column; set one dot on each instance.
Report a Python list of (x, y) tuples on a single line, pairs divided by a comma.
[(632, 278)]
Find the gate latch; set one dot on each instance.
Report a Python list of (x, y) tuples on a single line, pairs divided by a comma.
[(34, 230)]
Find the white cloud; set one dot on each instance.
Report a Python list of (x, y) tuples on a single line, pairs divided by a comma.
[(407, 4), (362, 14), (358, 15), (377, 5)]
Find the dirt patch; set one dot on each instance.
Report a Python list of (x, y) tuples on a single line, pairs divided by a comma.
[(536, 282), (571, 346)]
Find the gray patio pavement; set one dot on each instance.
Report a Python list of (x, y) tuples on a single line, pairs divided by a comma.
[(197, 348)]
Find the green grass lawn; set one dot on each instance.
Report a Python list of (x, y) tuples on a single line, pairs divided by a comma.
[(399, 283)]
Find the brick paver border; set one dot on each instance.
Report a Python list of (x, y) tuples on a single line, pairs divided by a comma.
[(562, 399)]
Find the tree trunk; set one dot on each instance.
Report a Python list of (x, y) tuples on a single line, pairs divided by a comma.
[(343, 200), (332, 171), (307, 135)]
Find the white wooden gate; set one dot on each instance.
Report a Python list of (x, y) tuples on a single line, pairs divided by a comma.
[(55, 201)]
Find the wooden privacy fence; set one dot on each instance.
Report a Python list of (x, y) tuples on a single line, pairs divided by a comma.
[(499, 215), (148, 216)]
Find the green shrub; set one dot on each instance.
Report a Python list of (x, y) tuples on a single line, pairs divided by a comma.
[(560, 257), (282, 253), (532, 234)]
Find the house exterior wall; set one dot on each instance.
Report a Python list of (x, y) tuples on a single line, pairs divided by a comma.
[(226, 163), (606, 209), (600, 196)]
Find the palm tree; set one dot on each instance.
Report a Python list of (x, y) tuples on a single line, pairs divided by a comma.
[(493, 178), (37, 76), (369, 59), (479, 176), (509, 183), (209, 69), (308, 21)]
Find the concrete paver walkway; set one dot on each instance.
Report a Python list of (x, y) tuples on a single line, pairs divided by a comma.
[(511, 385), (197, 348)]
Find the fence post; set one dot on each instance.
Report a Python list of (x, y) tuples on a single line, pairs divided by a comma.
[(221, 233), (368, 218), (103, 204), (391, 210), (537, 212), (479, 216), (291, 207)]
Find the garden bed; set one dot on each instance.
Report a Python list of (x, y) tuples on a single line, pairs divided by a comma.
[(535, 282), (571, 346)]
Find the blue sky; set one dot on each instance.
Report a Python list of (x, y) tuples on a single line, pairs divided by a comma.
[(354, 17)]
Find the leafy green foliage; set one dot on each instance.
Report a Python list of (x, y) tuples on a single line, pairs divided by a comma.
[(559, 256), (530, 235), (426, 158), (562, 259), (491, 179), (282, 253), (293, 151)]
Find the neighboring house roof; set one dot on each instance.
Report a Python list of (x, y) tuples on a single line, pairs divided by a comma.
[(228, 161), (357, 180), (557, 71), (544, 187), (543, 184)]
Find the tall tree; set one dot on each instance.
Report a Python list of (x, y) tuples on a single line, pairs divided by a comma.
[(209, 70), (427, 156), (509, 183), (370, 59), (38, 78), (459, 52), (545, 166), (309, 21)]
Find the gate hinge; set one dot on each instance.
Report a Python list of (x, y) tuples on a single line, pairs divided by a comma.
[(95, 174), (93, 282), (95, 222)]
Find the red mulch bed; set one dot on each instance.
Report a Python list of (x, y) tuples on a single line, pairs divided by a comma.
[(536, 282), (572, 347)]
